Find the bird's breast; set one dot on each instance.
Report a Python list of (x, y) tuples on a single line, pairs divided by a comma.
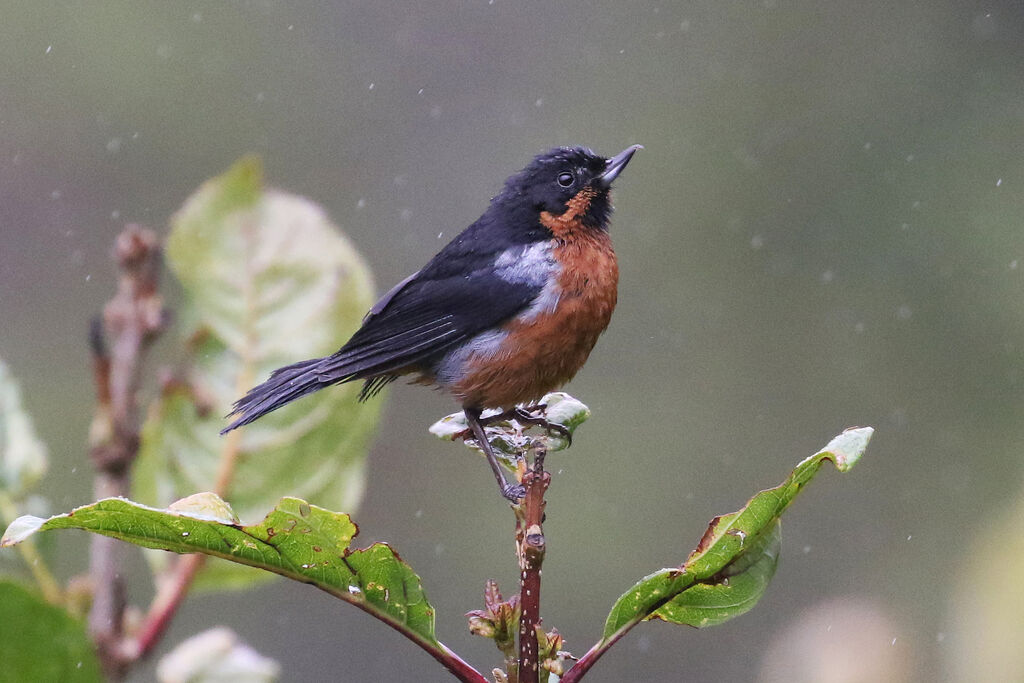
[(547, 343)]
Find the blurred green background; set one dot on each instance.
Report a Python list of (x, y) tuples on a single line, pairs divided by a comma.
[(824, 230)]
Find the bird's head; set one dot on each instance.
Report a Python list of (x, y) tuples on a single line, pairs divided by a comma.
[(567, 186)]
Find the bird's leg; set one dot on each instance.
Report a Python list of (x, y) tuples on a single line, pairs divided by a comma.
[(512, 491)]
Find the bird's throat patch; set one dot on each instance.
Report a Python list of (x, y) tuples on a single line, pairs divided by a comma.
[(572, 219)]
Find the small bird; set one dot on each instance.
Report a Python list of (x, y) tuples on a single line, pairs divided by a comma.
[(506, 312)]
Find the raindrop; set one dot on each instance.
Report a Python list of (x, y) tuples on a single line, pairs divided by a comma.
[(48, 48), (893, 643), (406, 215), (1013, 264), (684, 25), (305, 566), (807, 549), (372, 86), (859, 328), (354, 590), (909, 537), (88, 277), (419, 514), (725, 581), (291, 26), (539, 102), (439, 234), (184, 533), (939, 637), (756, 242), (197, 17), (361, 204), (903, 312), (114, 145), (827, 277), (999, 182), (56, 194), (910, 157), (867, 146)]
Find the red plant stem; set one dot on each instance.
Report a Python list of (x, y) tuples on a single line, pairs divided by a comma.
[(530, 537), (169, 596)]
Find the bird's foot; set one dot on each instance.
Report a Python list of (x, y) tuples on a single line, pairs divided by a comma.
[(514, 492), (529, 416)]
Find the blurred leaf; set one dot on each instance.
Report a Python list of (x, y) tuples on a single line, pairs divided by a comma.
[(510, 437), (22, 454), (40, 642), (268, 281), (216, 656), (296, 540), (987, 601), (731, 567)]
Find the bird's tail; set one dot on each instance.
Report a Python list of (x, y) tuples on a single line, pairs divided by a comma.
[(284, 386)]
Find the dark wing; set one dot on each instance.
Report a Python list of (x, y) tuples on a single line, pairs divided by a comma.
[(417, 321), (425, 318)]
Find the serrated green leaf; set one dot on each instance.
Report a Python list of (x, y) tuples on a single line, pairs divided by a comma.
[(730, 569), (40, 642), (296, 540), (268, 281), (22, 455)]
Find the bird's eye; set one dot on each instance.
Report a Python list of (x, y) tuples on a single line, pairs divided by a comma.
[(565, 179)]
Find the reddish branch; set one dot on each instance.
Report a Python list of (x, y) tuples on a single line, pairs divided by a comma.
[(530, 545), (131, 320)]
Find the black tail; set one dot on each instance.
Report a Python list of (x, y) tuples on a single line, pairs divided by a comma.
[(284, 386)]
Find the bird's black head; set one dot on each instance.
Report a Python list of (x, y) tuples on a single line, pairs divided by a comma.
[(567, 181)]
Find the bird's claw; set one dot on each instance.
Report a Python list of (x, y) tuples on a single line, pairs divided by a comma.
[(513, 492)]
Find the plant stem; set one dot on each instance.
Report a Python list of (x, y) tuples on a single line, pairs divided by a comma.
[(531, 547), (132, 319)]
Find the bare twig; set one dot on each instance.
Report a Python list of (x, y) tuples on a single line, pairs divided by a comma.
[(131, 320), (531, 547)]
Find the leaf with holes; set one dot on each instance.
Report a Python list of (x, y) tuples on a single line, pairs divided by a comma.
[(732, 565), (297, 540)]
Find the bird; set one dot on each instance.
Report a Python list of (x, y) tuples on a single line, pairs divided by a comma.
[(506, 312)]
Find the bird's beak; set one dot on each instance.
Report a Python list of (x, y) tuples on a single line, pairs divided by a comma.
[(615, 166)]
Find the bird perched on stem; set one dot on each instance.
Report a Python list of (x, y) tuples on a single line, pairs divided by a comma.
[(506, 312)]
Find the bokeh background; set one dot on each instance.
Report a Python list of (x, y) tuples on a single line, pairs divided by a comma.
[(824, 230)]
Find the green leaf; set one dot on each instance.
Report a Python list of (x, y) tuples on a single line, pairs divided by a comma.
[(297, 540), (730, 569), (268, 281), (22, 454), (40, 642)]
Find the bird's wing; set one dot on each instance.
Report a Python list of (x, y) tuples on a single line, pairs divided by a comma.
[(423, 317)]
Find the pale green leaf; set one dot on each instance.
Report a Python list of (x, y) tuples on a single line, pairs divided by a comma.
[(268, 281), (22, 455)]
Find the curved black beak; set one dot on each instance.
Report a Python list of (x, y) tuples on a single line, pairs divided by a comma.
[(615, 166)]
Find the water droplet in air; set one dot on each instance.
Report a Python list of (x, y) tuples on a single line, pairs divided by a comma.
[(999, 182)]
